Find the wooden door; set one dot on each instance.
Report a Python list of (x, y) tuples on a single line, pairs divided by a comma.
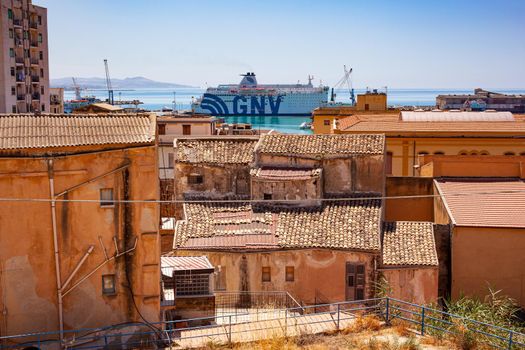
[(355, 281)]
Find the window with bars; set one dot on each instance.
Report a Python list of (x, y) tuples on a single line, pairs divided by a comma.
[(195, 179), (162, 129), (192, 284)]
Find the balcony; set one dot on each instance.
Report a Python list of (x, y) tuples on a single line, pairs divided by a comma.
[(19, 41), (20, 77), (19, 60), (34, 61), (35, 96), (20, 97), (34, 43), (35, 78), (17, 22), (33, 25)]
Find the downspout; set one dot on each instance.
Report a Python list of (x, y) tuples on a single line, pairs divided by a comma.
[(50, 174)]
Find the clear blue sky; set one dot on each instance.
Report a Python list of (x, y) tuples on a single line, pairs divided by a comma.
[(397, 43)]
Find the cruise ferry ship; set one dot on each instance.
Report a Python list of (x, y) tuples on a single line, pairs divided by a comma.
[(251, 98)]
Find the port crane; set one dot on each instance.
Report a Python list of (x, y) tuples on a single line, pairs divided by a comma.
[(111, 100), (345, 80), (77, 89)]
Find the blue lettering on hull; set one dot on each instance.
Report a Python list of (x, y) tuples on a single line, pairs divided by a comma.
[(243, 105)]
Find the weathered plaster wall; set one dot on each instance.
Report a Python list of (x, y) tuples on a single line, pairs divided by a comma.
[(287, 189), (341, 174), (27, 273), (484, 256), (415, 285), (409, 209), (320, 274)]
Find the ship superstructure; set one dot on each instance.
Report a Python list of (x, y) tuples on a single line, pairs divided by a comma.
[(250, 98)]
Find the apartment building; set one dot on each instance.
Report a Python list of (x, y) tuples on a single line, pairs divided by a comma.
[(56, 103), (24, 72)]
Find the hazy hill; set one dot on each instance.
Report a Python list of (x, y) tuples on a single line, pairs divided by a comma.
[(118, 84)]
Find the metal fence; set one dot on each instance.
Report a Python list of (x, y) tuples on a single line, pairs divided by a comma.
[(294, 321)]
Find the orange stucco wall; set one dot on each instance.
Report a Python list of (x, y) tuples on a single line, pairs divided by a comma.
[(473, 166), (415, 285), (483, 256), (409, 209), (319, 273), (28, 294)]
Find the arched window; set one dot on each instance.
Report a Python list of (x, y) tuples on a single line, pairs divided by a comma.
[(484, 153), (509, 153), (463, 153), (522, 154), (473, 153), (439, 153), (422, 153)]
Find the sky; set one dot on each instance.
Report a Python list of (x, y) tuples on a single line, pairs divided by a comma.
[(394, 43)]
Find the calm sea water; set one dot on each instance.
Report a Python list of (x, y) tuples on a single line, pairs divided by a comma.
[(156, 99)]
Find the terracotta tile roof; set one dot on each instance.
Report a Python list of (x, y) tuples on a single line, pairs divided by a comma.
[(321, 145), (213, 151), (484, 202), (279, 174), (447, 116), (409, 243), (355, 125), (337, 225), (184, 263), (21, 131)]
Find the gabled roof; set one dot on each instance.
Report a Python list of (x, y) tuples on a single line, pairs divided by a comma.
[(489, 202), (321, 145), (215, 151), (23, 131), (351, 225), (407, 243)]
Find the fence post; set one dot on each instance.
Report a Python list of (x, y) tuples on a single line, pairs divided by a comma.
[(387, 312), (422, 320), (230, 329), (338, 315), (285, 323), (105, 340), (510, 339)]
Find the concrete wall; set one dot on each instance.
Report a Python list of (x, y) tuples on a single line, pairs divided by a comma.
[(409, 209), (473, 166), (28, 295), (483, 256), (341, 174), (415, 285), (319, 273)]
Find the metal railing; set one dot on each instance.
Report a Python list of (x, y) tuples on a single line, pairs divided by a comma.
[(292, 322)]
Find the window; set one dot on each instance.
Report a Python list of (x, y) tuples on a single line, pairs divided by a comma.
[(41, 72), (13, 109), (195, 179), (13, 90), (41, 55), (367, 106), (422, 153), (463, 153), (106, 197), (11, 34), (12, 71), (509, 154), (484, 153), (170, 160), (162, 129), (290, 274), (43, 108), (327, 122), (522, 154), (267, 196), (39, 19), (266, 274), (42, 90), (39, 38), (439, 153), (108, 285), (26, 34), (9, 13), (186, 129), (11, 52)]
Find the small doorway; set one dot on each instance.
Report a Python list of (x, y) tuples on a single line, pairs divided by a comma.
[(355, 281)]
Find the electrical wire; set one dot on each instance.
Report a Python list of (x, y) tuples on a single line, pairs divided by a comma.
[(365, 196)]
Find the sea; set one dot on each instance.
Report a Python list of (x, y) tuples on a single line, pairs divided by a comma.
[(157, 99)]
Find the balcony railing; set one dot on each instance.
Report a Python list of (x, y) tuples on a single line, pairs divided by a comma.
[(36, 96), (33, 25), (34, 43), (35, 78), (34, 60), (19, 60), (19, 42), (20, 77), (17, 22), (20, 97)]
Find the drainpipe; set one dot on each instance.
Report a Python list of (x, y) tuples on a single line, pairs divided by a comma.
[(55, 247)]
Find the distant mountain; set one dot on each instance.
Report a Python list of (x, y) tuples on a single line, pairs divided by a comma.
[(118, 84)]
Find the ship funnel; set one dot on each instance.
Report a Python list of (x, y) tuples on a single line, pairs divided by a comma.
[(248, 80)]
